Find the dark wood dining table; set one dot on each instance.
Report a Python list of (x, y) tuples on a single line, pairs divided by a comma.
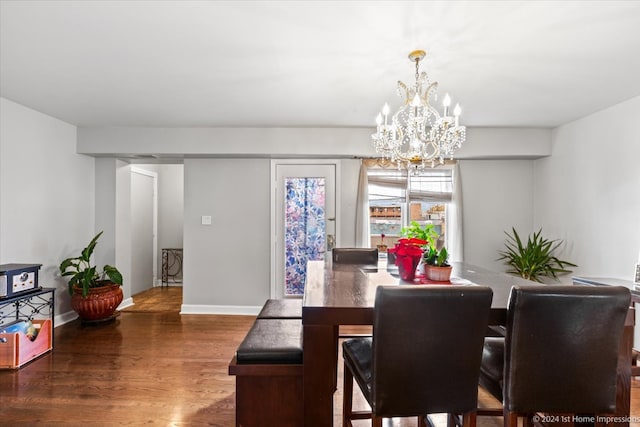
[(343, 294)]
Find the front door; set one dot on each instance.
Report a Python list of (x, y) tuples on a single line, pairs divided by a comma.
[(305, 225)]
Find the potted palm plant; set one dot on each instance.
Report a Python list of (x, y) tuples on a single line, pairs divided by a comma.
[(95, 295), (535, 259)]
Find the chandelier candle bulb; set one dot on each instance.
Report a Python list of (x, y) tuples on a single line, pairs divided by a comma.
[(385, 112), (456, 112), (446, 102)]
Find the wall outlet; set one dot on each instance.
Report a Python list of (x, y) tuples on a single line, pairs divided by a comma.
[(637, 280)]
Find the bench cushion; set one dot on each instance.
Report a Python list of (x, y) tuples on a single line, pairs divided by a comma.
[(272, 341), (281, 309)]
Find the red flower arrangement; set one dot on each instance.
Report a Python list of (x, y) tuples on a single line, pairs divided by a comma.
[(408, 255)]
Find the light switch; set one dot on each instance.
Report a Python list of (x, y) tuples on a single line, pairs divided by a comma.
[(206, 219)]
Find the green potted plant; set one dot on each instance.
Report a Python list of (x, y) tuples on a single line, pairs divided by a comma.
[(534, 260), (94, 295), (425, 232), (436, 264)]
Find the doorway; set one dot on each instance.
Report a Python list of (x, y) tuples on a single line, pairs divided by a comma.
[(134, 236), (304, 206)]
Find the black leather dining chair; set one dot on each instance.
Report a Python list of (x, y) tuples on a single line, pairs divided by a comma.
[(354, 255), (424, 356), (368, 256), (560, 352)]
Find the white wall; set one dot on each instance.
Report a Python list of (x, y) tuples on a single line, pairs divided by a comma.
[(47, 204), (226, 264), (497, 195), (123, 227), (587, 192), (105, 189), (349, 175), (292, 142)]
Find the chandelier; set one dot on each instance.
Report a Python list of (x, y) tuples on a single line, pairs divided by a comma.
[(417, 136)]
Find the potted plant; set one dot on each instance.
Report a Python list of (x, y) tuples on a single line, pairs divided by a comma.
[(534, 260), (94, 295), (436, 264), (408, 253), (426, 232), (382, 247)]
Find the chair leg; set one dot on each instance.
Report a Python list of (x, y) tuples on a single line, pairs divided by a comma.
[(510, 419), (376, 421), (422, 421), (347, 397), (469, 419), (336, 333)]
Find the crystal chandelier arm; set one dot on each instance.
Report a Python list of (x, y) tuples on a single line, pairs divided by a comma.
[(427, 93), (404, 91)]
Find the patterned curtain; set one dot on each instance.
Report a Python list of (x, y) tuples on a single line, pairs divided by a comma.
[(304, 229)]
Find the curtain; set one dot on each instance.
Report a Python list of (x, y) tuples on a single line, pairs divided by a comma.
[(362, 208), (455, 245), (363, 237), (304, 229)]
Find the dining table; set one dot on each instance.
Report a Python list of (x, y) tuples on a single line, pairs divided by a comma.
[(344, 294)]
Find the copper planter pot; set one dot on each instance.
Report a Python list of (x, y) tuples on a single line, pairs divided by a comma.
[(99, 304)]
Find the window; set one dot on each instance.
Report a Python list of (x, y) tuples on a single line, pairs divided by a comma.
[(397, 198)]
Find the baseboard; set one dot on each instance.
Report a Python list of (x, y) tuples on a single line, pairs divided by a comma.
[(242, 310), (61, 319), (126, 303), (159, 284)]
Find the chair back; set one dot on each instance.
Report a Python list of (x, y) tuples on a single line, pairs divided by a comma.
[(561, 348), (354, 255), (427, 346)]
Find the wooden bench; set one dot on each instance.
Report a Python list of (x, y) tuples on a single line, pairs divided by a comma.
[(268, 371)]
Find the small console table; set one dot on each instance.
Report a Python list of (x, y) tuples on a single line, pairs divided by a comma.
[(171, 265), (27, 306)]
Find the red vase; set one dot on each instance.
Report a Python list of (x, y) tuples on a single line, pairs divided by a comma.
[(407, 265)]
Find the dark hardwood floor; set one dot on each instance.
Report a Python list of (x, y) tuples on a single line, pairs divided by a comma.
[(146, 367)]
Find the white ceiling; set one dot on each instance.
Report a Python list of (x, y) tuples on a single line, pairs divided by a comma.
[(314, 63)]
